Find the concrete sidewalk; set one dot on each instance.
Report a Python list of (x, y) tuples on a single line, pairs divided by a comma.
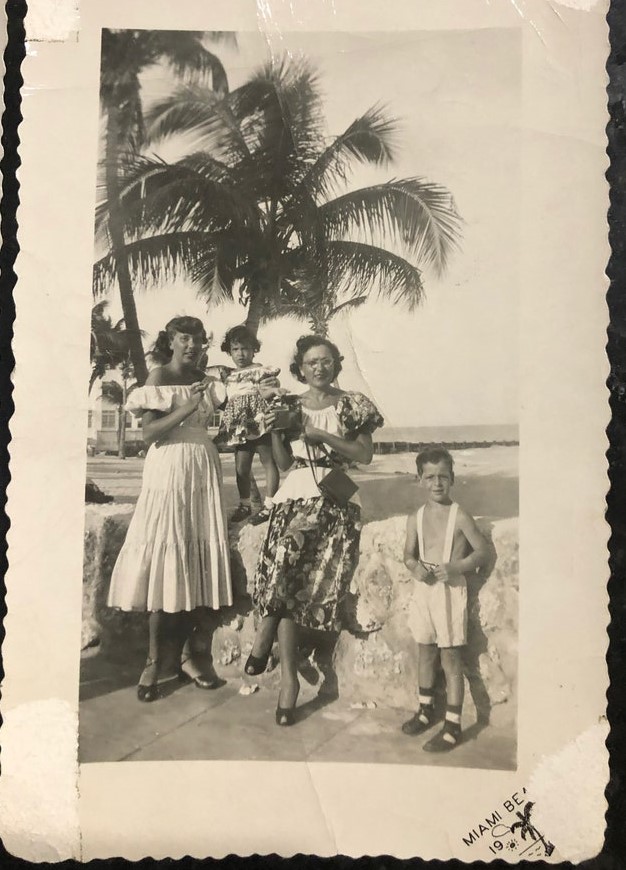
[(191, 724)]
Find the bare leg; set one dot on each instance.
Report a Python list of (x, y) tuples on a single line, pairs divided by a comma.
[(452, 665), (259, 655), (151, 671), (190, 669), (272, 477), (255, 495), (243, 467), (426, 666), (425, 716), (265, 636), (147, 687), (288, 643), (450, 735)]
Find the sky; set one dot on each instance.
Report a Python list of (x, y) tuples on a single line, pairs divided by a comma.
[(457, 95)]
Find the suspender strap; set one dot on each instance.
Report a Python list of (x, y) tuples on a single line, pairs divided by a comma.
[(447, 547), (420, 532), (449, 538)]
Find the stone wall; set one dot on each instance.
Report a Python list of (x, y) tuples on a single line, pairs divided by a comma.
[(374, 660)]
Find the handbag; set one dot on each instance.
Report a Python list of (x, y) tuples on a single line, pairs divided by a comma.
[(335, 485)]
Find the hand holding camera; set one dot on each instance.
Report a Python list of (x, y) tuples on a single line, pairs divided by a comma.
[(284, 413)]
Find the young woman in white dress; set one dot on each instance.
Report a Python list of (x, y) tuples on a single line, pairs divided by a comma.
[(175, 559)]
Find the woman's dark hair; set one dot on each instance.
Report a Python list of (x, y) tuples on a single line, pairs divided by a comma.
[(304, 344), (240, 335), (162, 351)]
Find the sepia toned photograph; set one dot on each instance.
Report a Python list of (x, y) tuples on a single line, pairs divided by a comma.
[(301, 519), (307, 550)]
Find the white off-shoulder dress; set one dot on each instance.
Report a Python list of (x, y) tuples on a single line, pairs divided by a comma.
[(175, 556)]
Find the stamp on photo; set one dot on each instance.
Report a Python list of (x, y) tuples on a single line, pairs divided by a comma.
[(509, 832)]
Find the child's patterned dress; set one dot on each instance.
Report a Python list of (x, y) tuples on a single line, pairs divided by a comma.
[(242, 420)]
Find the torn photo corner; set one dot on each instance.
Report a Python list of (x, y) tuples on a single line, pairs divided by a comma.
[(260, 246)]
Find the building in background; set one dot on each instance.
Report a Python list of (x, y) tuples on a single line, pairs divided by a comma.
[(103, 423)]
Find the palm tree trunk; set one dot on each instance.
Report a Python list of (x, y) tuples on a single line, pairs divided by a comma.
[(121, 436), (253, 321), (255, 308), (118, 245)]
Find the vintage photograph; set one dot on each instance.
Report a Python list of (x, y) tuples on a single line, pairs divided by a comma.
[(307, 550), (301, 519)]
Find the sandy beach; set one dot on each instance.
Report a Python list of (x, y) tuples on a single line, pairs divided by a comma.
[(486, 481)]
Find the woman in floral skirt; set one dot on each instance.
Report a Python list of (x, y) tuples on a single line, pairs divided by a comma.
[(312, 542)]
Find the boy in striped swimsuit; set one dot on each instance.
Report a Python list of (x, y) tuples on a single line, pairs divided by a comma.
[(442, 544)]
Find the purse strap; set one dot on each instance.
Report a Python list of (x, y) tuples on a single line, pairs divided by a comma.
[(311, 463)]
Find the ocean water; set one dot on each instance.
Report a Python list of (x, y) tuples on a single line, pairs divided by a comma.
[(448, 434)]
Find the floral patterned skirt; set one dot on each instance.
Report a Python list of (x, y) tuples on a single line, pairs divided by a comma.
[(242, 419), (307, 561)]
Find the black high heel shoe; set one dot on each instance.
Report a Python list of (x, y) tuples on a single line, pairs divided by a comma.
[(286, 716), (151, 692), (256, 665), (200, 681)]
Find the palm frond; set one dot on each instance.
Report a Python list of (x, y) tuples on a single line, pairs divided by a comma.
[(193, 193), (348, 305), (368, 139), (192, 62), (196, 192), (167, 257), (355, 267), (198, 111), (417, 214), (280, 106), (112, 392)]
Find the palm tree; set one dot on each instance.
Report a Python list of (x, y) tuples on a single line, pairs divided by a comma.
[(262, 212), (110, 351), (110, 343), (126, 54), (117, 394)]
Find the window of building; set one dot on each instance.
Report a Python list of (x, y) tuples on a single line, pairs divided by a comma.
[(129, 419), (109, 420), (89, 419), (215, 420)]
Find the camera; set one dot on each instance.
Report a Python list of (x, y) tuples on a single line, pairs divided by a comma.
[(287, 413)]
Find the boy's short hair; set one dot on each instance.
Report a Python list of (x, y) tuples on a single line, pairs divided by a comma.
[(434, 455)]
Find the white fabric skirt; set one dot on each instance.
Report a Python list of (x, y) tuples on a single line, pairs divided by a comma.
[(176, 556), (300, 483)]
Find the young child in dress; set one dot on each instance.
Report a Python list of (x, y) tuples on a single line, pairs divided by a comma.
[(442, 545), (242, 425)]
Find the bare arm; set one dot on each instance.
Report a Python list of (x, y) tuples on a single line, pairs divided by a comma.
[(361, 449), (156, 424), (410, 544), (282, 456), (480, 549), (411, 549)]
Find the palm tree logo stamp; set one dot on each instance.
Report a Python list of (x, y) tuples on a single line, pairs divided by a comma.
[(523, 827)]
